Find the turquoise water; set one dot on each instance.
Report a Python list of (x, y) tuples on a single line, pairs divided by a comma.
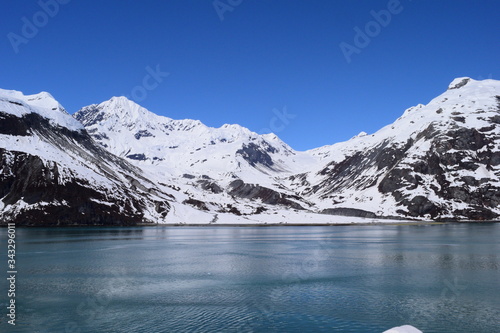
[(439, 278)]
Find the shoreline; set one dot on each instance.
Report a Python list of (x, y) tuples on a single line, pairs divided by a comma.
[(246, 225)]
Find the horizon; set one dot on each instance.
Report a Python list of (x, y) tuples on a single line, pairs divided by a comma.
[(316, 72)]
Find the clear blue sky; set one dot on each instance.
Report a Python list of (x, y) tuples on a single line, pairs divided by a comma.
[(263, 55)]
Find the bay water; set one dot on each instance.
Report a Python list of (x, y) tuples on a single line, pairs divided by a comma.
[(438, 278)]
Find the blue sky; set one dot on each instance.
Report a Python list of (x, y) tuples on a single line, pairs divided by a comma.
[(259, 63)]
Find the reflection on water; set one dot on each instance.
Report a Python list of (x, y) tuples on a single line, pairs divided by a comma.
[(439, 278)]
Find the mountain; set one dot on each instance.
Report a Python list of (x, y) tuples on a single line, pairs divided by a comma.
[(222, 170), (53, 173), (122, 164), (132, 132), (437, 161)]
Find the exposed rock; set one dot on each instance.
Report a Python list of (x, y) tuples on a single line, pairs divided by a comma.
[(74, 202), (143, 134), (240, 189), (39, 192), (138, 157), (196, 203), (12, 125), (254, 155), (349, 212), (210, 186), (459, 83)]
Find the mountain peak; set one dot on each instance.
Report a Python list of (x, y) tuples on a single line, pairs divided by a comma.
[(41, 95), (42, 103), (121, 100), (125, 109), (459, 82), (121, 103)]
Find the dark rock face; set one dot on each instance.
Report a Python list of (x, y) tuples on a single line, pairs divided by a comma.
[(460, 84), (75, 202), (91, 117), (352, 172), (10, 125), (254, 155), (448, 155), (196, 203), (349, 212), (211, 186), (240, 189), (451, 153), (495, 119), (143, 134), (137, 157), (55, 195), (420, 206)]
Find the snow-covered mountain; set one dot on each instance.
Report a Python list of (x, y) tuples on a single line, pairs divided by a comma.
[(437, 161), (226, 169), (53, 172), (130, 131)]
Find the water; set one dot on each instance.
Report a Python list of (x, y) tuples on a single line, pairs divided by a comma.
[(439, 278)]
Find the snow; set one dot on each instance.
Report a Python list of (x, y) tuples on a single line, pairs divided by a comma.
[(16, 103), (175, 148), (458, 82), (73, 160), (186, 215), (360, 134), (467, 99), (66, 160), (475, 101)]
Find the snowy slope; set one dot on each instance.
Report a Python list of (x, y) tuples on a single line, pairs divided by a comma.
[(439, 160), (15, 103), (381, 174), (52, 172), (129, 130), (469, 100), (219, 169)]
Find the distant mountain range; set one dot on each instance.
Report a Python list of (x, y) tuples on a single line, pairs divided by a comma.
[(116, 163)]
